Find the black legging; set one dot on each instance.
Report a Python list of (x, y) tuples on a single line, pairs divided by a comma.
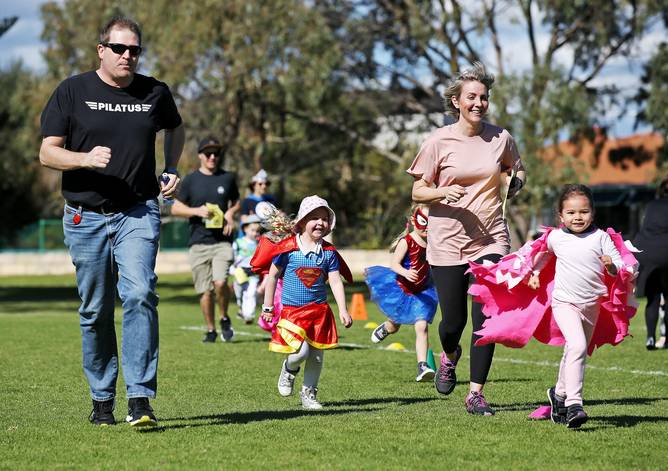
[(452, 283), (657, 284)]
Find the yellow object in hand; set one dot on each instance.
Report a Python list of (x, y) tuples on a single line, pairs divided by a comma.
[(216, 220)]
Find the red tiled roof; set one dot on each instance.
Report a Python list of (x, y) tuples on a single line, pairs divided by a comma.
[(627, 160)]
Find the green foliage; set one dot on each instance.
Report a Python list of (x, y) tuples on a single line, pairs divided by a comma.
[(653, 100), (218, 406), (304, 89), (18, 159)]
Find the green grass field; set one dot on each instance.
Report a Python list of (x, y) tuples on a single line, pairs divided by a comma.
[(219, 409)]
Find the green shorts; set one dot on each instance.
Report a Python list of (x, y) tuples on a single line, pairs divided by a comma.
[(209, 263)]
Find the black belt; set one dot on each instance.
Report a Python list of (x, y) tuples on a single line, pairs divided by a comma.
[(104, 208)]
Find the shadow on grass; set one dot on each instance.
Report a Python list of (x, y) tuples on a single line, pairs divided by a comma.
[(625, 420), (38, 293), (618, 421), (22, 299), (240, 418), (332, 408)]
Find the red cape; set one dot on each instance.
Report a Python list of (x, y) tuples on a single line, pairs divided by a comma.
[(515, 312), (267, 250)]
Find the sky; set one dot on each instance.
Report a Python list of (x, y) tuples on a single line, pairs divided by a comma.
[(23, 42)]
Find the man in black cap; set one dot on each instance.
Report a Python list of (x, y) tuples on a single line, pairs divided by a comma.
[(209, 197)]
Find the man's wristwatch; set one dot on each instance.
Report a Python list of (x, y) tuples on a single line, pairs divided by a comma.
[(171, 171)]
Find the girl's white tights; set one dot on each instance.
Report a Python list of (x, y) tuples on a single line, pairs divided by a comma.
[(314, 359)]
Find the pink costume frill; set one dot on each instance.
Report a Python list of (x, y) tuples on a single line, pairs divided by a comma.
[(515, 312)]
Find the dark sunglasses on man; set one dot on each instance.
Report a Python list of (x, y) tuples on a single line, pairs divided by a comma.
[(210, 154), (120, 49)]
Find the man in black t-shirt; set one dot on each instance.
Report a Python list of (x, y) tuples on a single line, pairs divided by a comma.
[(99, 129), (209, 198)]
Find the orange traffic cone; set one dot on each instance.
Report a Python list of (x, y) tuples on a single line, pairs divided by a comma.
[(358, 308)]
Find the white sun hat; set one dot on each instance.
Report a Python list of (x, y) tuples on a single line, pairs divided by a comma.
[(260, 176), (310, 204)]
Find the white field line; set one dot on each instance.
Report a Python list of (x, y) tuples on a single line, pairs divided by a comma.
[(551, 364)]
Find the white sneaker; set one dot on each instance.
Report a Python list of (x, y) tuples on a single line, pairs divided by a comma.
[(424, 373), (286, 381), (309, 401)]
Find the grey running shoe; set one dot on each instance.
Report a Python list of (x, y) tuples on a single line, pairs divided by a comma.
[(379, 334), (286, 380), (424, 373), (309, 399), (140, 413), (103, 413), (557, 407), (210, 337), (446, 379), (576, 416), (226, 330), (477, 405), (650, 344)]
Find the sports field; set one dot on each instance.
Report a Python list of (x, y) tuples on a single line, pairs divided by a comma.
[(219, 409)]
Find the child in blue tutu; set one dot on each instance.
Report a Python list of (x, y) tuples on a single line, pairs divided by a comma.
[(404, 292)]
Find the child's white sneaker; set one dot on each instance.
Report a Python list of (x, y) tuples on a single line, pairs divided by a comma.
[(286, 380), (309, 400), (424, 373)]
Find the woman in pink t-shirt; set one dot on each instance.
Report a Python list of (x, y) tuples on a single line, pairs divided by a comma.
[(458, 172)]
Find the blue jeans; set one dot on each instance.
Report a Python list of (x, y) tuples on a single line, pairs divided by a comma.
[(110, 251)]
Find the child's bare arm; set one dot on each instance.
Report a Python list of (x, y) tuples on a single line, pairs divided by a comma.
[(397, 257), (269, 290), (611, 258), (539, 262), (336, 284)]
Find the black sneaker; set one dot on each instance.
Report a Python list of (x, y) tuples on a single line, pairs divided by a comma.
[(650, 344), (226, 330), (379, 333), (210, 337), (476, 404), (140, 413), (103, 413), (557, 407), (576, 416), (446, 379)]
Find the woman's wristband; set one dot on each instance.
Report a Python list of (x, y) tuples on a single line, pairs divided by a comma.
[(267, 309)]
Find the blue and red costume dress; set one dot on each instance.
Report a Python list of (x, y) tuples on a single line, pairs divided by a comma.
[(401, 300), (306, 316)]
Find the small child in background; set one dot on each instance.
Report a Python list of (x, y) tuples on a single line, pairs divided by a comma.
[(584, 274), (404, 292), (305, 262), (245, 281)]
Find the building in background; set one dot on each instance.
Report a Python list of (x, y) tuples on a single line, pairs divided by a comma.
[(621, 173)]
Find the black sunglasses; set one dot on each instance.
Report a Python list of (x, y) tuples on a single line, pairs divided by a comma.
[(121, 48), (211, 154)]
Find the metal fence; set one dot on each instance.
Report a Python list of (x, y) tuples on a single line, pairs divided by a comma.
[(47, 234)]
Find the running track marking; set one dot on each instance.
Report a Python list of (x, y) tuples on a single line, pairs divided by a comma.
[(551, 364)]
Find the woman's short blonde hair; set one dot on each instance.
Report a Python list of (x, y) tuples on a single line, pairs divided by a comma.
[(477, 73)]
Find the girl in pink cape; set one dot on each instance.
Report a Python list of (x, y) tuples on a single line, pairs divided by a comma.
[(573, 287)]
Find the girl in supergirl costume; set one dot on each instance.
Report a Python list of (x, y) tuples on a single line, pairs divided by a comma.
[(404, 292), (305, 262)]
